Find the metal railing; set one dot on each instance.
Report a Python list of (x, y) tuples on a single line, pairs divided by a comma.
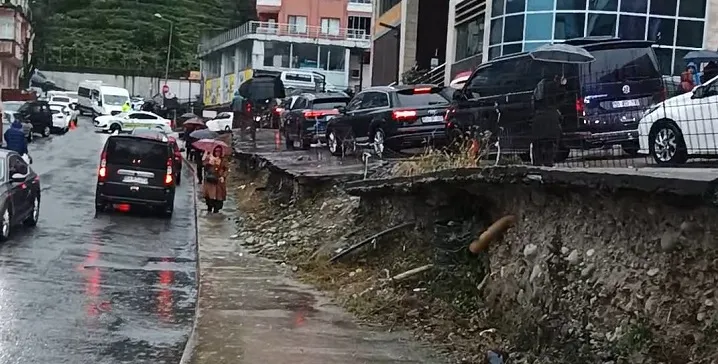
[(281, 29), (434, 76)]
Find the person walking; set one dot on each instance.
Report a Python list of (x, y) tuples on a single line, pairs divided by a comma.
[(215, 187), (546, 123), (15, 138)]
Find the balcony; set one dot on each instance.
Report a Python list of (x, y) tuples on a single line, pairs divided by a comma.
[(11, 50), (359, 6), (269, 2), (354, 38)]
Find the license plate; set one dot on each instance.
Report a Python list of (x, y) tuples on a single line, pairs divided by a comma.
[(626, 103), (432, 119), (138, 180)]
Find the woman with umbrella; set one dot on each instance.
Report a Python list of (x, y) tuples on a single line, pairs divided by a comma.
[(215, 167), (191, 126)]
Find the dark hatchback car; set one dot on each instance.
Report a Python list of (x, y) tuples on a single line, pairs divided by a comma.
[(136, 170), (20, 193), (37, 113), (394, 117), (306, 120), (600, 105)]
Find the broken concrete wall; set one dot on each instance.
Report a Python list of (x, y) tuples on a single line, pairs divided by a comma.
[(590, 273)]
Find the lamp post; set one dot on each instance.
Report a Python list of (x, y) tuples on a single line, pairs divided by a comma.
[(169, 46)]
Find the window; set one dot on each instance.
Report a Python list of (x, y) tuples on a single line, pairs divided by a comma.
[(529, 46), (142, 116), (356, 102), (664, 7), (679, 66), (420, 100), (131, 151), (359, 25), (480, 82), (470, 38), (569, 25), (360, 1), (687, 35), (660, 30), (300, 104), (632, 27), (276, 54), (497, 8), (538, 27), (494, 52), (620, 64), (330, 26), (7, 28), (538, 5), (570, 5), (328, 104), (385, 5), (515, 6), (84, 92), (692, 9), (297, 24), (635, 6), (603, 5), (497, 26), (298, 77), (305, 56), (17, 165), (331, 58), (601, 25), (513, 28), (373, 100)]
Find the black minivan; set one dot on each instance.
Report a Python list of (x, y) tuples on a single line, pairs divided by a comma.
[(136, 170), (601, 103)]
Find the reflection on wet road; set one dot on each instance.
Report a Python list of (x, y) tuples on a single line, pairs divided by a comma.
[(119, 288)]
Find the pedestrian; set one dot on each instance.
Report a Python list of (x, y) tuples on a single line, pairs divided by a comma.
[(236, 106), (197, 156), (126, 106), (15, 138), (546, 122), (215, 187), (710, 71), (688, 78)]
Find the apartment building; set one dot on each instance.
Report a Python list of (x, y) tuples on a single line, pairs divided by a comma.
[(326, 37), (480, 30), (15, 41)]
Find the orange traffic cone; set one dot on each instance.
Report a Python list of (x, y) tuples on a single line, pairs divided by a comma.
[(278, 140)]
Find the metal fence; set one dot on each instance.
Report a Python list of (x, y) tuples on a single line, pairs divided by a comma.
[(130, 61)]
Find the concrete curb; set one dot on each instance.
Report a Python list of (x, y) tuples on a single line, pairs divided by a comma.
[(192, 339)]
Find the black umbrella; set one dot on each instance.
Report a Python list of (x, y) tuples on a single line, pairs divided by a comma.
[(203, 134), (701, 56), (561, 53)]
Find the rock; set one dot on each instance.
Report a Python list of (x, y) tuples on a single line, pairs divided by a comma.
[(574, 257), (530, 250), (235, 236), (590, 252), (281, 243), (669, 241), (250, 240), (701, 316), (690, 228), (564, 250), (653, 271), (708, 303), (295, 226), (535, 273), (588, 271)]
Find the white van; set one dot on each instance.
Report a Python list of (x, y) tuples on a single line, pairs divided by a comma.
[(304, 81), (96, 99)]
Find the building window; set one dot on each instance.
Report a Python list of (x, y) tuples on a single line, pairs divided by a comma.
[(686, 34), (635, 6), (331, 58), (297, 24), (538, 26), (539, 5), (360, 1), (330, 26), (515, 6), (601, 25), (632, 27), (470, 38), (305, 55), (570, 4), (664, 7), (276, 54), (385, 5), (7, 28), (497, 8), (359, 25), (513, 28), (603, 5), (569, 25), (692, 9), (660, 30)]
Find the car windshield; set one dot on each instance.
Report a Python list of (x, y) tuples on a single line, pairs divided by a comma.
[(621, 65), (421, 100), (63, 100), (145, 152), (12, 105), (115, 100)]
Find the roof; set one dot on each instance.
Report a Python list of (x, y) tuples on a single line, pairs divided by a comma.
[(161, 137)]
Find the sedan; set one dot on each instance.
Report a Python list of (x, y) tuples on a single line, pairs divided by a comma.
[(221, 122), (20, 192), (131, 120)]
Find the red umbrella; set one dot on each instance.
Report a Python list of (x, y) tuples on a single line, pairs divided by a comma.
[(208, 145)]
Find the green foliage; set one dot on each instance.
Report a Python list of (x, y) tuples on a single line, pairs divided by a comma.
[(125, 35)]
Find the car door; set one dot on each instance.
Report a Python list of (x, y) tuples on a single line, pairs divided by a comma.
[(20, 191), (372, 102), (295, 116), (694, 119), (475, 105), (514, 99)]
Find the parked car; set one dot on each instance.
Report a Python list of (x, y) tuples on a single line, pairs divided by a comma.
[(38, 114), (682, 126), (393, 117), (130, 120), (306, 122), (60, 118), (136, 170), (20, 194), (601, 103), (10, 115), (221, 122)]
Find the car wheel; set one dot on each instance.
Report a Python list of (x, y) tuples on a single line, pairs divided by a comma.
[(666, 144), (34, 216), (306, 143), (46, 131), (5, 224), (335, 146), (378, 141), (115, 128)]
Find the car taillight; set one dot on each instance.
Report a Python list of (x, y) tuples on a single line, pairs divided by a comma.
[(422, 90), (102, 172), (319, 113), (580, 107), (169, 178), (248, 107), (404, 115), (449, 114), (278, 110)]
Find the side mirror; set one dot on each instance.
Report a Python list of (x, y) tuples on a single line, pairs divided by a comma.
[(342, 110), (17, 177)]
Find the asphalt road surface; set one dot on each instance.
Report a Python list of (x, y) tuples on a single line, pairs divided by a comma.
[(117, 288)]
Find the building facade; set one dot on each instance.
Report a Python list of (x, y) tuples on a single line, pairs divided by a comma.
[(482, 30), (329, 37), (15, 42)]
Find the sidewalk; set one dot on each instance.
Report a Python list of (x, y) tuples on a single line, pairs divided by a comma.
[(251, 312)]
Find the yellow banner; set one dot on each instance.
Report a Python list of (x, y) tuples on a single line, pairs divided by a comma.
[(211, 92), (229, 88)]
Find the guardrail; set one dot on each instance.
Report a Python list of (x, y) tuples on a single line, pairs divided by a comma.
[(281, 29), (434, 76)]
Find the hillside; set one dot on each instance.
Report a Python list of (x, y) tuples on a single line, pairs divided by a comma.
[(125, 36)]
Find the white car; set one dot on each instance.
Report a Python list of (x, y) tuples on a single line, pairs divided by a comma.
[(130, 120), (221, 122), (682, 126), (65, 101), (60, 118)]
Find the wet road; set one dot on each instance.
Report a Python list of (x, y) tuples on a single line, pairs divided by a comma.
[(119, 288)]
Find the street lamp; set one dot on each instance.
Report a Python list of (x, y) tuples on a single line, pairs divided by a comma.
[(169, 46)]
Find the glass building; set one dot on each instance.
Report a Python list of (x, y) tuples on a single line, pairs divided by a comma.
[(677, 26)]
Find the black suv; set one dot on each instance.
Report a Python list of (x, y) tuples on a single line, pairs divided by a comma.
[(260, 93), (394, 117), (136, 170), (306, 120), (600, 104), (37, 113)]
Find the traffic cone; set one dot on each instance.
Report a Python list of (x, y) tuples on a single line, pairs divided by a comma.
[(278, 140)]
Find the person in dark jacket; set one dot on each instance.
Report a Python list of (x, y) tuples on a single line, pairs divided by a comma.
[(15, 138), (546, 122)]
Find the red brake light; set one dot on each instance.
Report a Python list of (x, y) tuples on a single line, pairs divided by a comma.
[(169, 177), (319, 113), (449, 113), (278, 110), (422, 90), (248, 108), (403, 115), (580, 106), (102, 172)]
